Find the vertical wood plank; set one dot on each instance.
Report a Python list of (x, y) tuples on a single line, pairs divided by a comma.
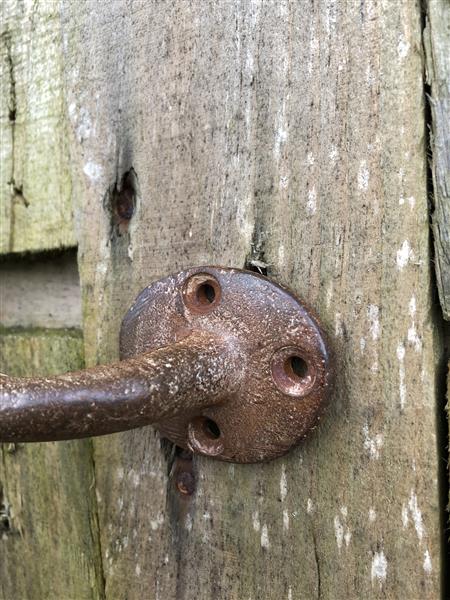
[(290, 134), (35, 187), (437, 46)]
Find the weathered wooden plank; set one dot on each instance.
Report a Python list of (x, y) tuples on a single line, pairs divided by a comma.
[(49, 542), (290, 133), (40, 292), (437, 46), (35, 187)]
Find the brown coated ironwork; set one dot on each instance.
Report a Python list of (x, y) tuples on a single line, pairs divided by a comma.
[(222, 361)]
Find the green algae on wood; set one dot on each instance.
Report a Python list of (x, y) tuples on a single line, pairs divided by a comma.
[(48, 525)]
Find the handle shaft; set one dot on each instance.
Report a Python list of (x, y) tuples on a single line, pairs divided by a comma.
[(198, 371)]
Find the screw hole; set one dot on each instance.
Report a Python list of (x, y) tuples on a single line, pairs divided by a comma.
[(296, 368), (201, 293), (206, 294), (211, 429), (291, 372), (204, 436)]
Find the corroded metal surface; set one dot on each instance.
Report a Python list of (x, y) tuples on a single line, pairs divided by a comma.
[(287, 373), (132, 393), (225, 362)]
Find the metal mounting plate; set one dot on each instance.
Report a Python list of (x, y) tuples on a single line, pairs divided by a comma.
[(288, 372)]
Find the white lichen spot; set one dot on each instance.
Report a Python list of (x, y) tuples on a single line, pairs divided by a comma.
[(344, 511), (333, 154), (410, 200), (362, 344), (309, 506), (413, 336), (283, 483), (414, 339), (363, 176), (373, 444), (285, 519), (289, 596), (427, 566), (401, 374), (404, 255), (373, 315), (310, 159), (255, 520), (372, 515), (338, 532), (137, 570), (265, 537), (338, 325), (188, 522), (403, 47), (379, 567), (93, 171), (244, 217), (416, 515), (72, 110), (84, 126), (284, 182), (281, 133), (347, 537), (311, 204), (155, 523), (405, 518)]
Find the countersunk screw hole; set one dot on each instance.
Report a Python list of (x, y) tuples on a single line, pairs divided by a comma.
[(211, 429), (291, 372), (206, 294), (296, 367), (201, 293), (205, 436)]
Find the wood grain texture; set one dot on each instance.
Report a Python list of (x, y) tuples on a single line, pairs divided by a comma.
[(290, 134), (35, 187), (48, 528), (437, 46), (40, 292)]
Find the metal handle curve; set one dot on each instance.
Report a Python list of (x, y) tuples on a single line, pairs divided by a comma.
[(195, 372)]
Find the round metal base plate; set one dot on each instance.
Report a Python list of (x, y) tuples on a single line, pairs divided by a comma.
[(288, 373)]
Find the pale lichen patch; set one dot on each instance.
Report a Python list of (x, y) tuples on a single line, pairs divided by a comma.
[(379, 567), (427, 566), (265, 537), (404, 255), (363, 176), (372, 444), (283, 483)]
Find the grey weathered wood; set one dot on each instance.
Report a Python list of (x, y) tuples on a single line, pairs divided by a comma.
[(49, 543), (437, 46), (35, 187), (290, 134), (40, 293)]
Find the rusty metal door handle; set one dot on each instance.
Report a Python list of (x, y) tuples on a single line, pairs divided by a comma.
[(224, 362)]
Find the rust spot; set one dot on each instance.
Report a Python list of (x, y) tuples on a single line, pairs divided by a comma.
[(185, 483), (123, 201)]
